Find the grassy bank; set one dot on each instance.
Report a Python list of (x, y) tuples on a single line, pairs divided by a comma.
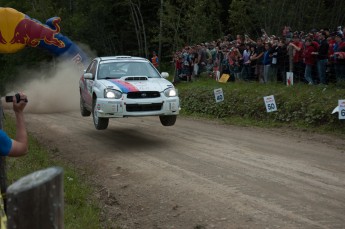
[(300, 106), (81, 210)]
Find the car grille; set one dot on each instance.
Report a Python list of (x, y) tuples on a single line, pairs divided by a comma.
[(143, 94), (143, 107)]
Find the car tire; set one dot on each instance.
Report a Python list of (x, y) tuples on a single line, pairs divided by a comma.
[(100, 123), (83, 111), (168, 120)]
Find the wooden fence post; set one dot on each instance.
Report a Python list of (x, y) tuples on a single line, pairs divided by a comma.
[(36, 200)]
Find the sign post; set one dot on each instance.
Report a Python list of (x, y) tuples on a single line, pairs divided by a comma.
[(341, 105), (270, 103)]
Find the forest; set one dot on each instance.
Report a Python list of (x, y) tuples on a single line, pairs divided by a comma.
[(138, 27)]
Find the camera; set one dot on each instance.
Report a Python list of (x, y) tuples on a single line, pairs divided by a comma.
[(9, 99)]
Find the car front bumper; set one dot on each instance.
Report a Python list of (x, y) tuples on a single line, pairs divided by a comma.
[(110, 108)]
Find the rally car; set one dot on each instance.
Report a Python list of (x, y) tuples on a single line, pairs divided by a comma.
[(125, 86)]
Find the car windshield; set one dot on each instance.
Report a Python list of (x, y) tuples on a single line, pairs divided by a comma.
[(115, 70)]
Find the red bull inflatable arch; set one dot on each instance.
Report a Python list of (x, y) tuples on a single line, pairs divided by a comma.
[(18, 31)]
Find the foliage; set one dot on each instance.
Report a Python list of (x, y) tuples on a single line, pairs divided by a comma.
[(116, 28), (299, 105)]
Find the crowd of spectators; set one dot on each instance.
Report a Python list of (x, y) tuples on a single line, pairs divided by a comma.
[(316, 57)]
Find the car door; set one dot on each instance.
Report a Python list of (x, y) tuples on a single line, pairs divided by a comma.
[(89, 82)]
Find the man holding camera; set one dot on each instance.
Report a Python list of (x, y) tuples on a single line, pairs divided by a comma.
[(18, 146)]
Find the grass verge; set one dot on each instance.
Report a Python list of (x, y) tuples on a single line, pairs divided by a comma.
[(299, 106), (81, 209)]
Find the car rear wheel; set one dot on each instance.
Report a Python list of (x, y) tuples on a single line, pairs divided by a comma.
[(100, 123), (168, 120), (83, 111)]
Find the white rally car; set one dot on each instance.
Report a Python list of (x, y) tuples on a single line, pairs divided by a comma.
[(124, 86)]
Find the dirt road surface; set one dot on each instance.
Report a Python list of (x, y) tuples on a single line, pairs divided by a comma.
[(200, 174)]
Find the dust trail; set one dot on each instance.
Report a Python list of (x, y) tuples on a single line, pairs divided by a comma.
[(51, 91)]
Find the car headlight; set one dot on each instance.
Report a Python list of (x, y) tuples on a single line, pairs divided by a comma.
[(170, 92), (112, 94)]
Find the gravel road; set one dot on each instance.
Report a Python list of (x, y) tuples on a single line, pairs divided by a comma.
[(202, 174)]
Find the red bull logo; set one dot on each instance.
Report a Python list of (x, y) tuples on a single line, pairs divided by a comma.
[(31, 33), (18, 31), (2, 39)]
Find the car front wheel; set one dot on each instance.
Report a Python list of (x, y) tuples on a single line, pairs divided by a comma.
[(100, 123), (83, 111), (168, 120)]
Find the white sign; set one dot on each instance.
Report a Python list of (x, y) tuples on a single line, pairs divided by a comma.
[(289, 78), (270, 103), (341, 105), (218, 94)]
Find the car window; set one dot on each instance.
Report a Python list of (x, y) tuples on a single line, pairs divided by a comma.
[(92, 68), (115, 70)]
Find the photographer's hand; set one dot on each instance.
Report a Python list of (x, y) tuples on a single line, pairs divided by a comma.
[(20, 143), (18, 106)]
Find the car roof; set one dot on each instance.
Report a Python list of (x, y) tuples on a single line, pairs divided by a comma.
[(115, 58)]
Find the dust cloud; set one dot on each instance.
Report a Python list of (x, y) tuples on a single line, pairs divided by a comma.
[(52, 89)]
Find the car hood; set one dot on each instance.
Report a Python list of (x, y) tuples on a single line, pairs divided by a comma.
[(134, 84)]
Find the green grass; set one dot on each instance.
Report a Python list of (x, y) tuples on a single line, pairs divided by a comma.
[(300, 106), (80, 209)]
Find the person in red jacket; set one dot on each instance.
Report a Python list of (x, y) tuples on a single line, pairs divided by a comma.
[(154, 59), (309, 59)]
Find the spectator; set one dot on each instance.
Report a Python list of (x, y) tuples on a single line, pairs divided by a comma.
[(309, 59), (287, 34), (322, 56), (298, 66), (178, 67), (252, 61), (267, 61), (339, 60), (194, 60), (282, 60), (18, 146), (154, 59), (234, 58), (202, 59), (274, 52), (258, 57), (246, 69)]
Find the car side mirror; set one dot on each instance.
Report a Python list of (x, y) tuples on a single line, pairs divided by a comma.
[(165, 74), (88, 76)]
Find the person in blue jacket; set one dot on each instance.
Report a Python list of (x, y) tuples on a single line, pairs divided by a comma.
[(18, 146)]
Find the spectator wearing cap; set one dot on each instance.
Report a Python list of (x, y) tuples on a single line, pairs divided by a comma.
[(322, 57), (338, 57)]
